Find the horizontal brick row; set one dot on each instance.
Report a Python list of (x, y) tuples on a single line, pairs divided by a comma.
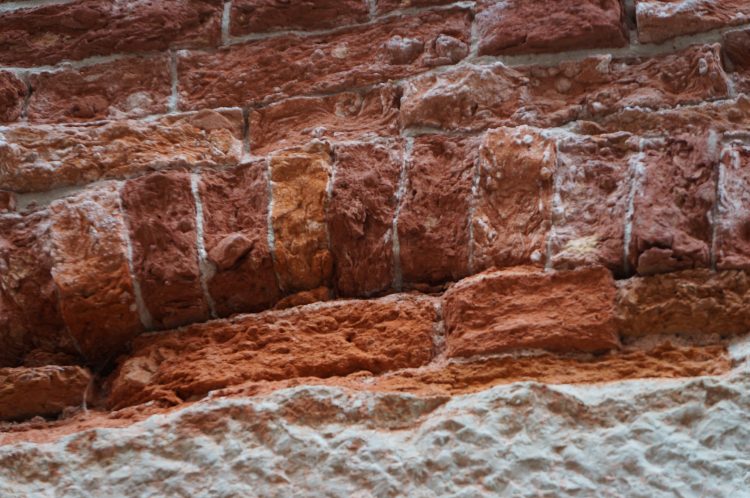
[(597, 95), (660, 20), (363, 218), (496, 312)]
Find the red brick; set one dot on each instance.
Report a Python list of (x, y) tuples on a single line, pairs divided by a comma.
[(522, 308), (235, 228), (261, 16), (13, 92), (344, 116), (385, 6), (732, 244), (130, 87), (360, 216), (532, 26), (433, 228), (161, 216), (84, 28), (660, 20), (272, 69)]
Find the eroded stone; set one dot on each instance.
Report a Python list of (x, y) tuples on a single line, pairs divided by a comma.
[(344, 116), (525, 308), (299, 184), (732, 224), (360, 216), (235, 218), (268, 70), (511, 214), (693, 302), (261, 16), (660, 20), (13, 92), (41, 391), (75, 30), (161, 217), (531, 26), (46, 157), (433, 221), (322, 340), (123, 88)]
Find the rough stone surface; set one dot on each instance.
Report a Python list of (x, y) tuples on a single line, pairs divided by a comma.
[(685, 435), (7, 201), (325, 340), (161, 217), (732, 226), (474, 97), (129, 87), (433, 221), (360, 216), (531, 26), (260, 16), (294, 65), (593, 185), (675, 191), (83, 28), (46, 157), (299, 185), (511, 214), (13, 92), (736, 51), (660, 20), (524, 308), (343, 116), (42, 391), (698, 302), (235, 213), (385, 6), (30, 315)]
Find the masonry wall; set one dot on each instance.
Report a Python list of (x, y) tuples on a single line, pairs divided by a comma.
[(203, 199)]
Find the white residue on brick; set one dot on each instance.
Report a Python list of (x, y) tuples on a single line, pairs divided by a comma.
[(206, 268), (398, 278)]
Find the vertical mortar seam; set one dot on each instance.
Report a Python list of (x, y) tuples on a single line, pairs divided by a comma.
[(398, 279), (205, 268)]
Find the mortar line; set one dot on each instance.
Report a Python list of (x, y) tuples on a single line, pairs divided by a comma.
[(473, 201), (143, 312), (636, 171), (271, 236), (398, 279), (206, 269), (30, 4), (327, 207), (718, 195), (225, 22), (556, 205)]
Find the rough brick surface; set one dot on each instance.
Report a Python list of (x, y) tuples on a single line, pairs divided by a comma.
[(160, 212), (732, 226), (342, 116), (360, 216), (433, 222), (13, 91), (530, 26), (42, 391), (129, 87), (47, 157), (660, 20), (235, 213), (260, 16), (293, 65), (84, 28), (522, 308), (510, 217), (337, 338)]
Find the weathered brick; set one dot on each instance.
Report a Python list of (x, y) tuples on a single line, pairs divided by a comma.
[(42, 391), (272, 69), (692, 302), (91, 273), (593, 184), (13, 92), (45, 157), (344, 116), (511, 214), (531, 26), (433, 228), (235, 229), (129, 87), (321, 340), (84, 28), (675, 193), (161, 216), (523, 308), (7, 201), (660, 20), (385, 6), (476, 97), (360, 216), (732, 224), (261, 16), (299, 183), (736, 51)]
